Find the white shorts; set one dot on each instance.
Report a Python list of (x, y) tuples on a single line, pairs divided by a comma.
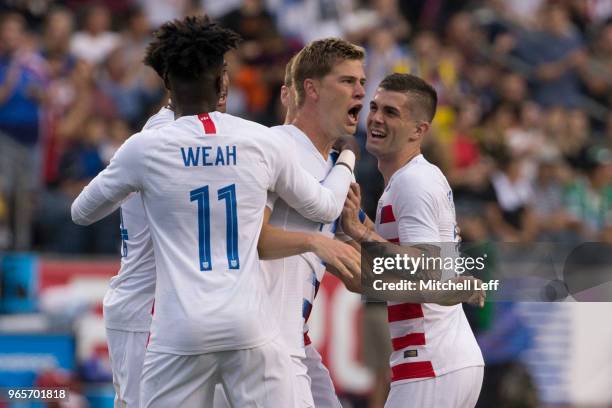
[(127, 352), (302, 383), (220, 399), (321, 385), (301, 386), (457, 389), (255, 377)]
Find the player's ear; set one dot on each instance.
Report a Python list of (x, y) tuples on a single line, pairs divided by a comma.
[(284, 95), (311, 89), (420, 130), (424, 127)]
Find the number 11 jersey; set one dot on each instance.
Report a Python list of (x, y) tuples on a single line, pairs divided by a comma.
[(204, 181)]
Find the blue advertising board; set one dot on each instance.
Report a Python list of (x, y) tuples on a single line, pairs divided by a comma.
[(24, 356), (18, 283)]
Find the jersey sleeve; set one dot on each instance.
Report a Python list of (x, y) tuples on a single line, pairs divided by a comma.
[(105, 193), (416, 212), (301, 190), (160, 119), (271, 200)]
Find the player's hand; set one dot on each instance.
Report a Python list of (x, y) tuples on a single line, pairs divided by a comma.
[(351, 225), (343, 257), (454, 297), (352, 284), (354, 196), (347, 143)]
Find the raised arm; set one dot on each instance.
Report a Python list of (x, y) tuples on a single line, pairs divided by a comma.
[(364, 233), (105, 193), (300, 190)]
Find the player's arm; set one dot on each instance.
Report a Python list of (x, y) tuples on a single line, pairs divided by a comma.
[(275, 243), (352, 225), (107, 190), (416, 218), (317, 202)]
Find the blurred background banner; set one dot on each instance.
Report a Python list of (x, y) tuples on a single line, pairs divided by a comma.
[(18, 283), (523, 132), (23, 357)]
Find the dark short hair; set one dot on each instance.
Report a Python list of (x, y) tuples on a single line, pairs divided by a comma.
[(190, 47), (423, 95)]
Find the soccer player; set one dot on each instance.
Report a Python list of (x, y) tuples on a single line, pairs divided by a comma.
[(211, 320), (328, 81), (436, 361), (128, 303), (287, 95)]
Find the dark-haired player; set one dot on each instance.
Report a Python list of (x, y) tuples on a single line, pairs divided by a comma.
[(436, 361), (203, 181), (128, 303)]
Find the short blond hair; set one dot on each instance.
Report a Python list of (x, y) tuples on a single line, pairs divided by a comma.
[(318, 58), (288, 82)]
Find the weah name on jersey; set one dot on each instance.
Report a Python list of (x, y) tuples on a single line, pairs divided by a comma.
[(209, 155)]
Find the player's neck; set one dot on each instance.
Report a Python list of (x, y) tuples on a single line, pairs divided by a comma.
[(389, 164), (193, 108), (190, 98), (315, 132)]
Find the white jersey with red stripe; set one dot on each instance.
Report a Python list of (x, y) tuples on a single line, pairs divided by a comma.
[(129, 300), (204, 181), (293, 282), (428, 340)]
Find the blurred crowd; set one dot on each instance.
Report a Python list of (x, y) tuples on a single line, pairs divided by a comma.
[(523, 130)]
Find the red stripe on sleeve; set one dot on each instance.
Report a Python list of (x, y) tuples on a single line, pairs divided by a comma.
[(386, 214), (209, 125), (307, 339), (407, 371), (412, 339), (404, 311)]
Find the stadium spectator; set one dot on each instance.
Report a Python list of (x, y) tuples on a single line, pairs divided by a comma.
[(21, 81), (554, 222), (95, 42), (80, 161), (589, 199), (512, 89), (132, 91), (135, 37), (160, 11), (384, 55), (58, 30), (596, 74), (555, 53), (509, 213)]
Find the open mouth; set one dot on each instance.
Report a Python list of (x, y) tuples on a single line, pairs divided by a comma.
[(353, 113), (377, 134)]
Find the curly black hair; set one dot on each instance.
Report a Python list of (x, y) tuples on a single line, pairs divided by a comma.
[(189, 47)]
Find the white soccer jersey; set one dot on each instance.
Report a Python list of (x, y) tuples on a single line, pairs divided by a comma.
[(293, 281), (128, 302), (428, 340), (204, 181)]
